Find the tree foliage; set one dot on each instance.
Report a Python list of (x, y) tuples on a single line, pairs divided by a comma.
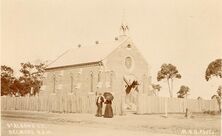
[(27, 84), (183, 92), (168, 72), (31, 79), (156, 88), (214, 96), (199, 98), (7, 79), (214, 69)]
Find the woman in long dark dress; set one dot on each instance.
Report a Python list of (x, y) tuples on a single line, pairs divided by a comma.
[(108, 110)]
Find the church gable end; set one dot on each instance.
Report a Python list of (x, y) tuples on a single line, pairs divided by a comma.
[(127, 61)]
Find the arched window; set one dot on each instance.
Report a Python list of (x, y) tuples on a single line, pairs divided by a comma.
[(144, 83), (78, 81), (111, 79), (54, 83), (71, 78), (91, 81), (128, 62), (99, 76)]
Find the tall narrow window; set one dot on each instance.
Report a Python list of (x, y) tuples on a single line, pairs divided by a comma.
[(71, 78), (91, 81), (54, 84), (111, 79), (107, 79), (99, 83), (78, 80), (144, 82), (99, 76)]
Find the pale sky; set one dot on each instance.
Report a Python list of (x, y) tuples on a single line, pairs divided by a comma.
[(186, 33)]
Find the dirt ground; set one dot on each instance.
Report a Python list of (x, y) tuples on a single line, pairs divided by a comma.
[(19, 123)]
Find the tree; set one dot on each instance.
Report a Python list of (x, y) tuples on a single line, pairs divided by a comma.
[(156, 88), (183, 92), (168, 72), (219, 90), (199, 98), (214, 69), (7, 78), (214, 96), (16, 87), (218, 96), (31, 79)]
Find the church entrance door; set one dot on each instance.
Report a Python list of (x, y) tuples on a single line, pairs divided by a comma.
[(131, 94)]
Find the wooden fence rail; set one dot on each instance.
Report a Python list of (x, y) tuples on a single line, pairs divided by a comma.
[(53, 103), (86, 104), (56, 103), (153, 104)]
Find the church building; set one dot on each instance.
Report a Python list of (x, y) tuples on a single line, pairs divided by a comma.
[(111, 67)]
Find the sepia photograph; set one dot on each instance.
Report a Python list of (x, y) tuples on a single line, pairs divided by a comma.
[(111, 67)]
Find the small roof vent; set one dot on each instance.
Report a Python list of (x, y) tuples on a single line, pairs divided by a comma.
[(116, 39), (97, 42), (79, 46)]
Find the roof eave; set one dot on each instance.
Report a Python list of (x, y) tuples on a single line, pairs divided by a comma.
[(75, 65)]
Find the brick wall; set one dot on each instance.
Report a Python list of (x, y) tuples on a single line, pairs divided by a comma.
[(140, 70), (74, 80), (108, 76)]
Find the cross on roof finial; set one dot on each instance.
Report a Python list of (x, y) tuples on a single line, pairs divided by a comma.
[(124, 27)]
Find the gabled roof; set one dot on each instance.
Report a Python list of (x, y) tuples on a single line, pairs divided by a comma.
[(86, 54)]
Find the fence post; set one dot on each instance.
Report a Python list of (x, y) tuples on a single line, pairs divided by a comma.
[(166, 104), (138, 104)]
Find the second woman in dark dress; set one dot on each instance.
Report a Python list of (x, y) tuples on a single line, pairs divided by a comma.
[(108, 110)]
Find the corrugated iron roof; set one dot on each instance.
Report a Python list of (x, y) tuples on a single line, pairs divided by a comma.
[(86, 54)]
